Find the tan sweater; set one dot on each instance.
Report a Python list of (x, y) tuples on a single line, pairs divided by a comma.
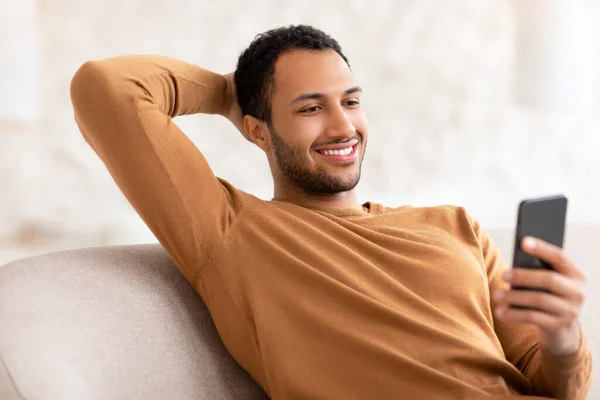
[(314, 303)]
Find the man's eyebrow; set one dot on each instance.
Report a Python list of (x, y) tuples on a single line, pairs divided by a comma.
[(353, 90), (314, 96)]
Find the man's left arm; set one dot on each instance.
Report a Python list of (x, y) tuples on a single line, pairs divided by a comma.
[(544, 339)]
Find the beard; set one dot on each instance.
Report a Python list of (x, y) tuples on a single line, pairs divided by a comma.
[(293, 164)]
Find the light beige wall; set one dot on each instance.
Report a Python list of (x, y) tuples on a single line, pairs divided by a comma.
[(437, 79)]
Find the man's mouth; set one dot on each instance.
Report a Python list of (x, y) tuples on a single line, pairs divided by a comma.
[(340, 154)]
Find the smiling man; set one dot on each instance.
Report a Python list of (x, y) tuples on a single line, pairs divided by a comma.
[(316, 295), (306, 117)]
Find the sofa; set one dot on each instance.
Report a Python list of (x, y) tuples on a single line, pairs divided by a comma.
[(120, 322)]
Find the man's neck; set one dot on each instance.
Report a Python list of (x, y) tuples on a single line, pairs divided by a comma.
[(341, 200)]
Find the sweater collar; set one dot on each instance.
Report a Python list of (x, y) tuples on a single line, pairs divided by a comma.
[(369, 208)]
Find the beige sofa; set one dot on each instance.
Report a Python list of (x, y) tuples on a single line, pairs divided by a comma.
[(121, 323)]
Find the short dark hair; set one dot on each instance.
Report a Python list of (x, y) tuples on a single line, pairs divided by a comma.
[(256, 65)]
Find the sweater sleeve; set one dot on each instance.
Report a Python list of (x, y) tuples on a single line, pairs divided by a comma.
[(567, 377), (124, 108)]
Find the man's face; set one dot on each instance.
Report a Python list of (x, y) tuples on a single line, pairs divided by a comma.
[(318, 128)]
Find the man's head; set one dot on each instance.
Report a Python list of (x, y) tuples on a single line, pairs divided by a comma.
[(302, 107)]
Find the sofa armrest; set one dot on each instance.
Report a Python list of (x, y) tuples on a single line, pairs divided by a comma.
[(116, 322)]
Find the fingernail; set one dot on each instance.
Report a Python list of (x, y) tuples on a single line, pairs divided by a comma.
[(507, 275), (529, 242), (500, 312), (500, 295)]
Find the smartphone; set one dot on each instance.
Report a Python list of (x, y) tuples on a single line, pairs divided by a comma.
[(543, 218)]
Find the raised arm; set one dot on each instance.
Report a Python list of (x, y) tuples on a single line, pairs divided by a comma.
[(123, 107)]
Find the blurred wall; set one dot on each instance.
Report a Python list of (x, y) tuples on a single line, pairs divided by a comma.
[(437, 77)]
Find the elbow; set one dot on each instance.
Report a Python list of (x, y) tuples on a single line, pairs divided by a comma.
[(93, 92), (88, 81)]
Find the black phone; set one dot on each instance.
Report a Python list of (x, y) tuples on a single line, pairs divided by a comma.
[(543, 218)]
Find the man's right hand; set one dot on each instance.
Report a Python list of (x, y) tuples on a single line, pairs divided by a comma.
[(234, 112)]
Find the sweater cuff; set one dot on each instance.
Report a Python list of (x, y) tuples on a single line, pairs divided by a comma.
[(565, 365)]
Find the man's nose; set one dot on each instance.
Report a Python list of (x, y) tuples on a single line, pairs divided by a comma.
[(339, 123)]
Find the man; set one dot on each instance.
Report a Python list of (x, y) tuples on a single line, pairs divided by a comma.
[(316, 295)]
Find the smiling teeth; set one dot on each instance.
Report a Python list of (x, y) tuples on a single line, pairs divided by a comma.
[(342, 152)]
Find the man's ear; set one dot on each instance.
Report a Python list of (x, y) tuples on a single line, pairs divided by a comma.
[(258, 132)]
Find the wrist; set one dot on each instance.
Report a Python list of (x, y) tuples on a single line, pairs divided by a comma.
[(566, 341)]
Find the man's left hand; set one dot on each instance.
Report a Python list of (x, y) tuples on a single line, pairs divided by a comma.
[(555, 310)]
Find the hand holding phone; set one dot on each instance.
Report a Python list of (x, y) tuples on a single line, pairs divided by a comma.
[(547, 289)]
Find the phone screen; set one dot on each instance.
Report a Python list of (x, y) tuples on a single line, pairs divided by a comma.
[(543, 218)]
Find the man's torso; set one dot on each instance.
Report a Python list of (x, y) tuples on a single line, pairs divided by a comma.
[(305, 299)]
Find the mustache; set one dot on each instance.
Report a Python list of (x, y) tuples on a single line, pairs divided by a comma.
[(355, 137)]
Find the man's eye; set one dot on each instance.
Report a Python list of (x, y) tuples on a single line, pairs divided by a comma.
[(352, 103), (311, 109)]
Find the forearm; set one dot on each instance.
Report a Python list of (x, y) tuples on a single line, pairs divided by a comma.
[(562, 377), (176, 87)]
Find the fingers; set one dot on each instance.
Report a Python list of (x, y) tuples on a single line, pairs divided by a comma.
[(555, 305), (550, 281), (540, 301), (551, 254), (545, 321)]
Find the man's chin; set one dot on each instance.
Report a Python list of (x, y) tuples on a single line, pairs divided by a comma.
[(345, 184)]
